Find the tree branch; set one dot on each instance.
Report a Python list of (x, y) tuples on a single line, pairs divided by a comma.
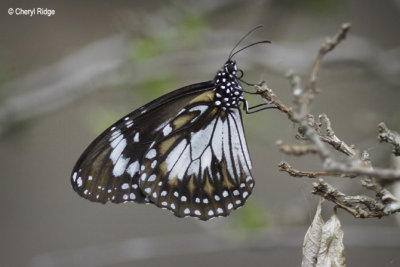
[(318, 137), (388, 136)]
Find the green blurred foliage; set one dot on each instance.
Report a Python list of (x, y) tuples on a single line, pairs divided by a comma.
[(156, 87), (149, 47), (192, 27), (250, 219)]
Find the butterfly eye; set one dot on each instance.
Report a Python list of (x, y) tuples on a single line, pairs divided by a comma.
[(231, 68)]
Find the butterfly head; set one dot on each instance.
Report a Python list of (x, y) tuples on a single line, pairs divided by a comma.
[(230, 67)]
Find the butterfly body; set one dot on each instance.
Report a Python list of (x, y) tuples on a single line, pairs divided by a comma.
[(185, 152)]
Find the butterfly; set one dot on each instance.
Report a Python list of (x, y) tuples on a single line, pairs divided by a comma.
[(185, 151)]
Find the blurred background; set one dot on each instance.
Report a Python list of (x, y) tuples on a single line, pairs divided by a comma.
[(64, 78)]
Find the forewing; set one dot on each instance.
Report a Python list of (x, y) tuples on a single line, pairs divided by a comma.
[(109, 168), (199, 166)]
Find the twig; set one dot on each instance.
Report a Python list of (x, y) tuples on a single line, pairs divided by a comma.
[(284, 166), (327, 47), (356, 164), (388, 136), (269, 96), (359, 206), (378, 173), (332, 139), (296, 150)]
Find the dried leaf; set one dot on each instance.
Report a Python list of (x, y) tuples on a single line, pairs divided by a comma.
[(331, 251), (312, 239)]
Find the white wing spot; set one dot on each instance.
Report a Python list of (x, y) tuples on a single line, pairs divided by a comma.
[(245, 194), (167, 130), (86, 191), (216, 197), (143, 177), (120, 166), (79, 182), (248, 178), (125, 186), (74, 176), (225, 193), (151, 154), (136, 137), (181, 111), (242, 185), (163, 193), (251, 185), (236, 192), (164, 203), (197, 200), (125, 196), (172, 206), (114, 135), (230, 206), (210, 213), (238, 201), (128, 124), (183, 198), (147, 190), (176, 194), (153, 164), (132, 196), (116, 153), (133, 168), (186, 211), (205, 200), (160, 183), (142, 167), (90, 178), (152, 178), (134, 186), (114, 142), (197, 212), (219, 210), (155, 194)]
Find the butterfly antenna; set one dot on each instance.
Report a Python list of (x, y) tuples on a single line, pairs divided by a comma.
[(247, 46), (244, 37)]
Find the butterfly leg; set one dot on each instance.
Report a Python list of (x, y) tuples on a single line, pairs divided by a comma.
[(263, 106)]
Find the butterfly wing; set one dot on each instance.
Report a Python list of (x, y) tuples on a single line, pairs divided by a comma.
[(199, 164), (109, 168)]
